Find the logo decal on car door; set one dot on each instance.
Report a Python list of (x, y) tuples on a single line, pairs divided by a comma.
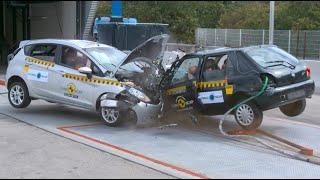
[(182, 103), (71, 91), (36, 75)]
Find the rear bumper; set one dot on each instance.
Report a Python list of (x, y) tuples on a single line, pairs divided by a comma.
[(275, 97)]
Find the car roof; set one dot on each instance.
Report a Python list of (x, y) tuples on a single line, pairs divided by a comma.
[(228, 49), (69, 42), (213, 51)]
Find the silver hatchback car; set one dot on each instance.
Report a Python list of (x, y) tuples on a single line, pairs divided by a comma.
[(89, 75)]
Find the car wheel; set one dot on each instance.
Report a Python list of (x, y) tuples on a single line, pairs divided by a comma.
[(248, 116), (293, 109), (111, 116), (19, 95)]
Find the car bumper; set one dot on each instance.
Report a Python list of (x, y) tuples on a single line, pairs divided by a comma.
[(276, 97), (146, 113)]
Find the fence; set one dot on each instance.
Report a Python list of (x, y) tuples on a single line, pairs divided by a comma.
[(304, 44)]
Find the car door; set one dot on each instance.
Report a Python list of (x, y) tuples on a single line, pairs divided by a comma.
[(39, 68), (71, 86), (180, 91), (214, 92)]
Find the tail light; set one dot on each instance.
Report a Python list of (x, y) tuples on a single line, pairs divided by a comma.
[(308, 71)]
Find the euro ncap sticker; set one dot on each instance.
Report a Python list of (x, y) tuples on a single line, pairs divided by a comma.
[(182, 103), (211, 97), (72, 91), (35, 75), (71, 88)]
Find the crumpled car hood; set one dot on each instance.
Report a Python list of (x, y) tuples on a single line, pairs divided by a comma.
[(143, 67), (152, 49)]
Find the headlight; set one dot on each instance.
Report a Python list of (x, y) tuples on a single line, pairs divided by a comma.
[(139, 95)]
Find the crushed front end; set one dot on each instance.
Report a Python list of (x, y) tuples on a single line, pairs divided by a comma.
[(133, 105), (141, 73)]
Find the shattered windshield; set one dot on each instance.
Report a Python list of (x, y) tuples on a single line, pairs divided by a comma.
[(271, 56), (108, 57)]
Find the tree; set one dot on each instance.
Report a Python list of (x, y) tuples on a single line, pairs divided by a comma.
[(298, 15), (288, 15), (246, 15), (184, 17)]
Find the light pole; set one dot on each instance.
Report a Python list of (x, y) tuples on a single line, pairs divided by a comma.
[(271, 22)]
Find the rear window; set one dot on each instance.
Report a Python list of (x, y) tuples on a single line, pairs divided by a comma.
[(45, 52)]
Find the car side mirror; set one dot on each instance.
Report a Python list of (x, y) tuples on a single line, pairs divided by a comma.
[(87, 71)]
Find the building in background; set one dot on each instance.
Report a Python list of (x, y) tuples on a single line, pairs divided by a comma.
[(20, 20)]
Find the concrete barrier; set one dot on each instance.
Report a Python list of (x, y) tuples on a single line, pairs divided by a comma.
[(315, 72)]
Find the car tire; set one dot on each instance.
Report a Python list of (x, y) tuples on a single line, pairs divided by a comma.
[(111, 116), (18, 95), (294, 109), (248, 116)]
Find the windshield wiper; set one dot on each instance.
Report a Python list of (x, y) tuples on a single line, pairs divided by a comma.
[(291, 66)]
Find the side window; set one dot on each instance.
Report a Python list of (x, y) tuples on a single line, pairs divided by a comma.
[(46, 52), (215, 67), (188, 70), (242, 67), (73, 58)]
